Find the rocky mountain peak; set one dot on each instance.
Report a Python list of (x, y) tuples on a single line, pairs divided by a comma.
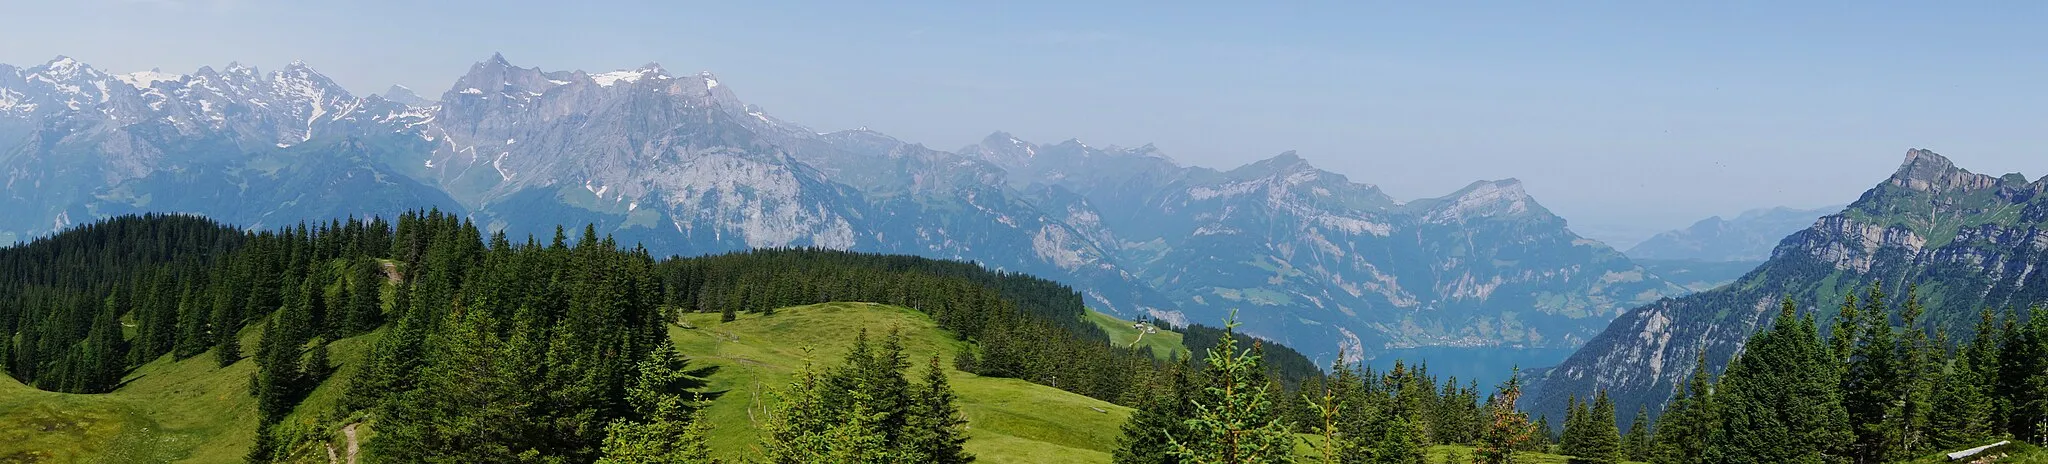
[(404, 95), (1927, 171), (64, 68), (1003, 148), (237, 68), (1286, 162), (147, 79), (1494, 198)]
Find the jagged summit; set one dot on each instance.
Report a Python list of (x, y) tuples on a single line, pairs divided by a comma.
[(1486, 198), (1286, 162), (1927, 171), (405, 95)]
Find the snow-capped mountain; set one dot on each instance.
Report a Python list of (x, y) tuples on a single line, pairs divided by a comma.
[(678, 162)]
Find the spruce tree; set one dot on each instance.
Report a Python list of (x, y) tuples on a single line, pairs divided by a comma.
[(366, 298), (1545, 435), (658, 442), (1690, 419), (936, 430), (1234, 419), (1778, 400), (1961, 407), (1636, 443), (2022, 384), (1916, 371), (1162, 414), (228, 348), (1872, 389), (1506, 428), (1401, 443), (1573, 441), (192, 329), (803, 426), (1601, 441), (669, 429)]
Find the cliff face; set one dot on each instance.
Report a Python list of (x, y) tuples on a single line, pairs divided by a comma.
[(1969, 241)]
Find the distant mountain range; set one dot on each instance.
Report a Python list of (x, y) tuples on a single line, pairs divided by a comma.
[(679, 163), (1968, 241), (1716, 251), (1748, 237)]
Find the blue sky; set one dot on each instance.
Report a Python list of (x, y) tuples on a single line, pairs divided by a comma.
[(1622, 117)]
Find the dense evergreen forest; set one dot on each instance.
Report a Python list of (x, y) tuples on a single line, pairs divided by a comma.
[(1881, 386), (491, 350)]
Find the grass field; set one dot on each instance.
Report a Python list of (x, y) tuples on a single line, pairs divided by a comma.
[(1008, 420), (189, 411), (1164, 343), (167, 411)]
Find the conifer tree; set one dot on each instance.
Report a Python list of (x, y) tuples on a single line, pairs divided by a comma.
[(802, 427), (228, 349), (468, 404), (1690, 419), (936, 431), (659, 442), (366, 299), (1544, 437), (1163, 414), (1961, 407), (670, 429), (193, 337), (1778, 402), (1636, 443), (1401, 443), (1600, 443), (1234, 419), (1572, 441), (1872, 390), (1506, 427), (2022, 385), (1916, 371), (1843, 338)]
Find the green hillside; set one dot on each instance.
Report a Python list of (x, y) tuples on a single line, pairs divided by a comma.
[(185, 411), (1163, 343), (1009, 420)]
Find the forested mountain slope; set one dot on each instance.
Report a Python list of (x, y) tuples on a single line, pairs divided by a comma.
[(399, 330), (1968, 242)]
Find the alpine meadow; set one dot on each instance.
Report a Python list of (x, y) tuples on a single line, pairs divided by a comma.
[(1304, 233)]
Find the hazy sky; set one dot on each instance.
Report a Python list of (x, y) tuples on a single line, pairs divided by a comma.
[(1618, 115)]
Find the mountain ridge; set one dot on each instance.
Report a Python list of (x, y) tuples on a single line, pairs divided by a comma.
[(678, 162), (1967, 241)]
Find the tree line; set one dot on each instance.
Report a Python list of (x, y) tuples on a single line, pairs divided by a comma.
[(1881, 385), (493, 350), (1231, 410)]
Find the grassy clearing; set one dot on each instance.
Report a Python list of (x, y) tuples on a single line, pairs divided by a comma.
[(1009, 420), (189, 411), (1164, 343), (166, 411)]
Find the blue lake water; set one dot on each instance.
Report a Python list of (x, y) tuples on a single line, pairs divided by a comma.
[(1489, 365)]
